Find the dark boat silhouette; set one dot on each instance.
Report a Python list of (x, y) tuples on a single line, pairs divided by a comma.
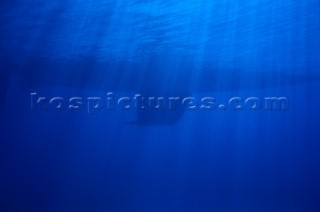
[(146, 78)]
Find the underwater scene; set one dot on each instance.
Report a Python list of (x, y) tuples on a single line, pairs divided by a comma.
[(160, 106)]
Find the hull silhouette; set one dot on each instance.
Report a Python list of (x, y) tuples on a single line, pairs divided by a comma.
[(147, 79)]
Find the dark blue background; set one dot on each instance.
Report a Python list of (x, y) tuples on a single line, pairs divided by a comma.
[(205, 160)]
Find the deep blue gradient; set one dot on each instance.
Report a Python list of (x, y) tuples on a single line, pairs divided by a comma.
[(118, 161)]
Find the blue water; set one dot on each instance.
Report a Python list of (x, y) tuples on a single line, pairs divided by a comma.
[(185, 160)]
